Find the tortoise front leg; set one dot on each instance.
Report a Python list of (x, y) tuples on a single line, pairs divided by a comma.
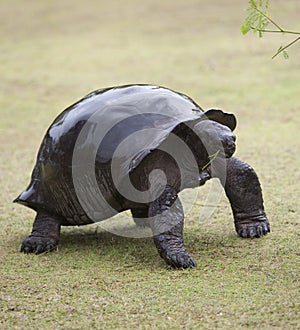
[(166, 218), (44, 236), (243, 190)]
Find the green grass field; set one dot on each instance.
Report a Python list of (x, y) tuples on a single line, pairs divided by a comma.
[(53, 53)]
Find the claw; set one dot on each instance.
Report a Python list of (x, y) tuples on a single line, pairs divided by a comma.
[(266, 228), (25, 249), (252, 232), (259, 231), (243, 232), (252, 229), (193, 264), (183, 260), (174, 259), (39, 249), (38, 245), (50, 247)]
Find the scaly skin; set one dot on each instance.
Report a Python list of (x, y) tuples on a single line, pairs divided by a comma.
[(44, 236), (243, 190), (167, 226)]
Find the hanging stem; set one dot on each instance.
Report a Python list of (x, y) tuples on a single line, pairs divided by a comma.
[(282, 49), (211, 159)]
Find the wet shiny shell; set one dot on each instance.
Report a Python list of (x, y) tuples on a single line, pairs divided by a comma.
[(125, 110)]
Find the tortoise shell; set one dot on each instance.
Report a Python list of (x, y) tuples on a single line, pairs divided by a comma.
[(85, 138)]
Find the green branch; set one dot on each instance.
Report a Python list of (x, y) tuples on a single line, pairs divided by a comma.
[(268, 18), (283, 49), (257, 21), (276, 31)]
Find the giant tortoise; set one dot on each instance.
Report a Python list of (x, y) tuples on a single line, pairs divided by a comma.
[(135, 147)]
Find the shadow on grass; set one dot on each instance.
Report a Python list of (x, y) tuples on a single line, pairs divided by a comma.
[(91, 244), (103, 240)]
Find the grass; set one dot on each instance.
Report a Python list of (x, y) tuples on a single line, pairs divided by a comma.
[(53, 53)]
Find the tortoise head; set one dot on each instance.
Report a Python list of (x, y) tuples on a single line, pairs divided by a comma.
[(218, 139)]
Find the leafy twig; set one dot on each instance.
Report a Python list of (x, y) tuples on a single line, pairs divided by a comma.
[(265, 15), (283, 49), (257, 21), (277, 31)]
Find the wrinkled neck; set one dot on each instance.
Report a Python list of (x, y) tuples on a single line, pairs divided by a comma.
[(194, 143)]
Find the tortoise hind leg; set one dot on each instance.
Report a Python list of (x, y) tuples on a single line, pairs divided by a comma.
[(44, 236), (243, 190)]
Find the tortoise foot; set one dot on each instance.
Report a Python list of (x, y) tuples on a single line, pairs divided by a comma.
[(180, 260), (44, 236), (38, 245), (252, 228)]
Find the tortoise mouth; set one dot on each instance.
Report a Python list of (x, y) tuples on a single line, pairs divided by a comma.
[(229, 150), (226, 152), (229, 146)]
